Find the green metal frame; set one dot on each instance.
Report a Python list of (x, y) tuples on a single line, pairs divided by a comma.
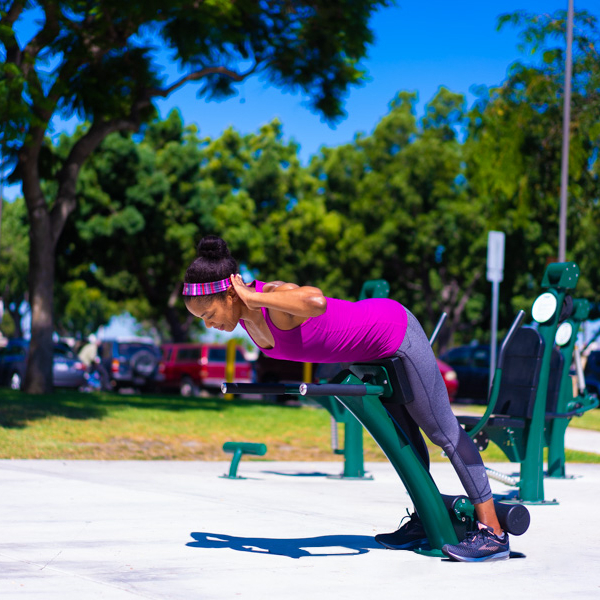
[(526, 445), (419, 484), (353, 451), (569, 405), (445, 519), (238, 449)]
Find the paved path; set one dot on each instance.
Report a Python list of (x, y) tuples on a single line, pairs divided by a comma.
[(87, 530), (582, 439)]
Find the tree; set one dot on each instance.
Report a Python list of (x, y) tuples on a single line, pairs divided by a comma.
[(96, 60), (513, 154), (406, 215), (141, 205), (178, 187), (82, 309), (14, 250)]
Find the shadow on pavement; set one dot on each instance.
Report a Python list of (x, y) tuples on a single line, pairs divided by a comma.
[(298, 474), (293, 547)]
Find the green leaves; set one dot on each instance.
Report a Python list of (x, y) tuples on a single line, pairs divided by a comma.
[(98, 61), (514, 147), (411, 202)]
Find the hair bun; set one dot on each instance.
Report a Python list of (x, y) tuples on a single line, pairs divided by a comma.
[(212, 247)]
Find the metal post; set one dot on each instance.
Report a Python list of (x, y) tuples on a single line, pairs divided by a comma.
[(419, 484), (235, 461), (353, 449), (494, 333), (495, 274), (564, 169)]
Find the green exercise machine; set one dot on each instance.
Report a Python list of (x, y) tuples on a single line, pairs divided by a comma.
[(564, 400), (375, 393), (239, 449), (531, 401)]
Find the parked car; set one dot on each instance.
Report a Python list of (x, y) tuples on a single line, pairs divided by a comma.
[(67, 370), (275, 370), (130, 363), (450, 379), (472, 366), (592, 373), (272, 370), (193, 367)]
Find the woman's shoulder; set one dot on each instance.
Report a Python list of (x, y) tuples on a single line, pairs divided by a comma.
[(280, 286)]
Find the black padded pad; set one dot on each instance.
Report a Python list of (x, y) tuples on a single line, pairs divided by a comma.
[(520, 374), (403, 393), (500, 421)]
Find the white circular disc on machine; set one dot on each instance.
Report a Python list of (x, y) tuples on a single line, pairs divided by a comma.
[(544, 307), (563, 334)]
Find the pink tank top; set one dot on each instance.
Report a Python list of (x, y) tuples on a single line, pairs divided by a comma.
[(346, 332)]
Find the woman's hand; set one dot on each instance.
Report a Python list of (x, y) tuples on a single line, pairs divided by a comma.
[(288, 304), (242, 290)]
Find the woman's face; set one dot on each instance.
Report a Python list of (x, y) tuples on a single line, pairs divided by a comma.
[(218, 314)]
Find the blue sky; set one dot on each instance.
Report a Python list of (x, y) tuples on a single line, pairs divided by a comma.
[(419, 46)]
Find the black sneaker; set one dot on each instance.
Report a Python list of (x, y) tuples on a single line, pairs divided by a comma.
[(479, 545), (409, 536)]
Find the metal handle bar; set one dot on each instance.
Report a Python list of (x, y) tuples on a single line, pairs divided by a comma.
[(340, 389), (436, 331), (511, 332), (305, 389), (579, 370), (260, 388)]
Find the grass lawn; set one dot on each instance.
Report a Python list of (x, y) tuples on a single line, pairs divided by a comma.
[(589, 420), (73, 425)]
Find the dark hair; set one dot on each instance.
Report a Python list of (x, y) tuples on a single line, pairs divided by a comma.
[(214, 262)]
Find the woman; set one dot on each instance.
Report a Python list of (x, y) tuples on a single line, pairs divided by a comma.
[(299, 323)]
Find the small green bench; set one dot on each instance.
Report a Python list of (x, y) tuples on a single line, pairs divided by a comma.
[(238, 449)]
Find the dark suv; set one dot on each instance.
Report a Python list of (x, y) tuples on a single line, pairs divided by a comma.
[(592, 373), (131, 363), (274, 370), (194, 367), (472, 366), (67, 370)]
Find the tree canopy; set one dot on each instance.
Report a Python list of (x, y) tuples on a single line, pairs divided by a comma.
[(100, 61), (411, 202)]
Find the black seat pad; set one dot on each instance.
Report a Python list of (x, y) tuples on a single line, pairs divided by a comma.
[(520, 374)]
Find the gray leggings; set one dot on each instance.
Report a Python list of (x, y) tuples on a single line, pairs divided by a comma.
[(431, 411)]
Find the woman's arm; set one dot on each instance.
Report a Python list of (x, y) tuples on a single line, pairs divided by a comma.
[(291, 300)]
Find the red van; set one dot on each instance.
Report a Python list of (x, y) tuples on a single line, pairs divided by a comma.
[(191, 368)]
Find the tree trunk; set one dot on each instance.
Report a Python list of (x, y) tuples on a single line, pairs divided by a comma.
[(178, 332), (45, 227), (38, 377)]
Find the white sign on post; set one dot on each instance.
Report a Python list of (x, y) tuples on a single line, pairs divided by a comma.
[(495, 256)]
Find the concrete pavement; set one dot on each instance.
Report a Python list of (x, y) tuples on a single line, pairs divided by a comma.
[(583, 440), (85, 530)]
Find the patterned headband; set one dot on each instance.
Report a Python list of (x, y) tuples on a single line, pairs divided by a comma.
[(204, 289)]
